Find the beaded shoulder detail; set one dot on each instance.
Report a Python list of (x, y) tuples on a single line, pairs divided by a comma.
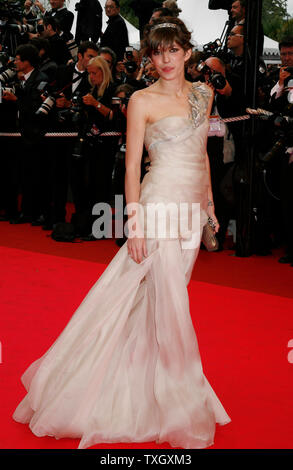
[(198, 98)]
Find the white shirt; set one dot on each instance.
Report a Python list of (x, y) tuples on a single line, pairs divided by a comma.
[(75, 84)]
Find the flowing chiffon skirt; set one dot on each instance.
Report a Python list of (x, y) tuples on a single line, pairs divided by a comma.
[(127, 366)]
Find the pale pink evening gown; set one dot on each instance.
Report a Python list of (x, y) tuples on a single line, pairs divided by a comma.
[(127, 366)]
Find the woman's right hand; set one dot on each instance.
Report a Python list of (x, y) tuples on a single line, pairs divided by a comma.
[(89, 100), (137, 249)]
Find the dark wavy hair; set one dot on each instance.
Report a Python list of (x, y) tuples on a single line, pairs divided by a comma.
[(165, 37)]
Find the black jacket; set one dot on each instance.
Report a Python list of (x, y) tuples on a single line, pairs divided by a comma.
[(89, 20), (64, 18), (64, 77), (29, 101), (58, 50), (116, 36)]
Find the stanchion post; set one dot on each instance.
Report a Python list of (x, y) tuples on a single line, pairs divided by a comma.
[(245, 209)]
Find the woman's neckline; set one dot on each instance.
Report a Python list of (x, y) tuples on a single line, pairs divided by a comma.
[(186, 117), (177, 116)]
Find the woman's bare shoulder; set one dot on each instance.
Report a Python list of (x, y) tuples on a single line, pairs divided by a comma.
[(144, 95)]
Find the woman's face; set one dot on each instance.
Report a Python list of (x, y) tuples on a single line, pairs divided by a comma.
[(170, 62), (95, 74)]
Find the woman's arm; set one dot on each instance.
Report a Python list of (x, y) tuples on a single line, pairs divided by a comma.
[(211, 207), (89, 100), (136, 122)]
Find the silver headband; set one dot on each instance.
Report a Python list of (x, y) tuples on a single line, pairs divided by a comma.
[(165, 25)]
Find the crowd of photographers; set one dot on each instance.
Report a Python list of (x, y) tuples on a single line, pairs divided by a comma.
[(67, 97)]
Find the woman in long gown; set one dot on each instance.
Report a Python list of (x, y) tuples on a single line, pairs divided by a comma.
[(127, 366)]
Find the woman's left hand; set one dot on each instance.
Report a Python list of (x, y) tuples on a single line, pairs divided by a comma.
[(89, 100), (211, 214)]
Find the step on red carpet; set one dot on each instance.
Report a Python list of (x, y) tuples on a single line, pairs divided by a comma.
[(242, 310)]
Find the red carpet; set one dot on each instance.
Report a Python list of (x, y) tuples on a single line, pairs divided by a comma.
[(242, 309)]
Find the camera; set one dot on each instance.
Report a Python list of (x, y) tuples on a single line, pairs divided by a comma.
[(5, 90), (130, 64), (8, 74), (284, 124), (215, 78), (212, 46), (20, 28), (50, 99), (47, 105), (75, 113), (40, 28), (116, 102)]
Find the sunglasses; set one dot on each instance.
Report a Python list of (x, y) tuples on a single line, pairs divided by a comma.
[(235, 34)]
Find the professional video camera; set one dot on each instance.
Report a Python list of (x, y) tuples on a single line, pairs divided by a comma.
[(130, 64), (215, 78)]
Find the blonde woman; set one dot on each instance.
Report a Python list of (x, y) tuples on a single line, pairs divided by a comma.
[(94, 169), (100, 77)]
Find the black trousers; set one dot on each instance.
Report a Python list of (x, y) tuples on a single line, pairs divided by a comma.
[(31, 167), (56, 153), (91, 180)]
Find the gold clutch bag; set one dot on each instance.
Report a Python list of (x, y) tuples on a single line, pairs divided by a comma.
[(209, 238)]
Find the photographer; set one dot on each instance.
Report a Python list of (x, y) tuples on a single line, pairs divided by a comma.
[(283, 158), (59, 50), (73, 80), (193, 73), (116, 34), (28, 99), (148, 74), (13, 30), (235, 43), (62, 16), (110, 57), (120, 101), (94, 158), (32, 10), (224, 144), (89, 20), (47, 65), (128, 70)]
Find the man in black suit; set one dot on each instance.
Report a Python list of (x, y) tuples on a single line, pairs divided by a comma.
[(63, 16), (59, 50), (228, 101), (29, 161), (116, 33), (73, 80), (279, 103), (89, 20)]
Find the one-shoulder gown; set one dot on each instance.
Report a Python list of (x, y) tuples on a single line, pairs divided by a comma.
[(127, 367)]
